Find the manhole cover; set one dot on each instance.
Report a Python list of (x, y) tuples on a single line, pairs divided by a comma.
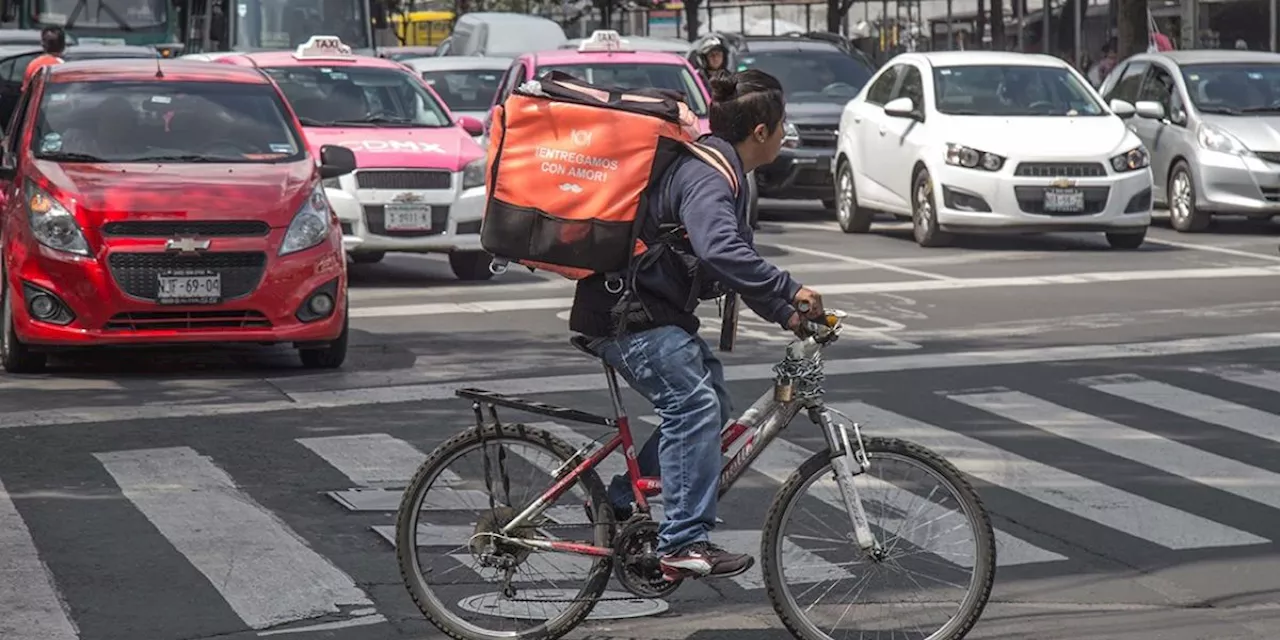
[(493, 604)]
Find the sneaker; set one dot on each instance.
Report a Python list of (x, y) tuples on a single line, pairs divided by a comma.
[(703, 559)]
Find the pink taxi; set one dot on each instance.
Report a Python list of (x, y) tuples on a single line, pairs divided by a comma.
[(415, 157)]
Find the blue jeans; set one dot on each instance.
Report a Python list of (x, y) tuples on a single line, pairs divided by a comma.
[(680, 375)]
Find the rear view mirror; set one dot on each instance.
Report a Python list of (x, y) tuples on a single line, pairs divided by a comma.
[(1122, 108), (1149, 109), (336, 160), (471, 125)]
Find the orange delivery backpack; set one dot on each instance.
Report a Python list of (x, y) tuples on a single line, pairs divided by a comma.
[(570, 166)]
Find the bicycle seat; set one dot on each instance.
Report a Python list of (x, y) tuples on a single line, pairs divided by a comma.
[(580, 343)]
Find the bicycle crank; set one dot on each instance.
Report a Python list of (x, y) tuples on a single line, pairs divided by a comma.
[(636, 560)]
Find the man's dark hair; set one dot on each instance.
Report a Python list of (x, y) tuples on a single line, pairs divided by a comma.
[(53, 40), (742, 100)]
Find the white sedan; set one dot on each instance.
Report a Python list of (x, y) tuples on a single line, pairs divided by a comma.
[(987, 141)]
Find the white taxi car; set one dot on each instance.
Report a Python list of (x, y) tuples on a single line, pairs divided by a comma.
[(987, 141)]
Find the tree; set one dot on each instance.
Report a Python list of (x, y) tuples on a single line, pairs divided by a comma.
[(1131, 28)]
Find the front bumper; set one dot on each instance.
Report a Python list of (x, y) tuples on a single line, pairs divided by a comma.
[(802, 173), (1237, 185), (111, 296), (454, 214), (976, 200)]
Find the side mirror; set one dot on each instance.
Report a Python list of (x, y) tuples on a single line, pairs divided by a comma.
[(336, 160), (471, 125), (1149, 109), (1122, 108), (901, 108)]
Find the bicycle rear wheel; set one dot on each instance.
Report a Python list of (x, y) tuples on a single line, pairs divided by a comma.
[(817, 574), (461, 509)]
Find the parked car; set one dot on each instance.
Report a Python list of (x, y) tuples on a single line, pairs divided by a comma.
[(1211, 120), (988, 141), (467, 84), (491, 33), (401, 54), (146, 209)]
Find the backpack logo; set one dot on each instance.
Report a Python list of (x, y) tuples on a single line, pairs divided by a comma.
[(580, 138), (569, 186)]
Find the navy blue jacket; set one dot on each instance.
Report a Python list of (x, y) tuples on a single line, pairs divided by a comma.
[(696, 195)]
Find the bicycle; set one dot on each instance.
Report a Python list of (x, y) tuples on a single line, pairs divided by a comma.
[(512, 536)]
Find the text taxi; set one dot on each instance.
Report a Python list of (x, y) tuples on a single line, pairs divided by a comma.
[(415, 157)]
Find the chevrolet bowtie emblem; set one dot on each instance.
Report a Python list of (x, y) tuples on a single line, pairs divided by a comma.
[(1063, 183), (186, 245), (407, 198)]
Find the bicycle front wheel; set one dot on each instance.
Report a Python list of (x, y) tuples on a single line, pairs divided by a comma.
[(824, 587)]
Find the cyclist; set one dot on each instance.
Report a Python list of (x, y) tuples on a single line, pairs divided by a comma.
[(651, 336), (53, 40)]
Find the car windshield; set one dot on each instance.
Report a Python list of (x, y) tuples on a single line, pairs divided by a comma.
[(811, 75), (1234, 88), (288, 24), (123, 15), (347, 96), (465, 89), (170, 121), (674, 77), (1011, 90)]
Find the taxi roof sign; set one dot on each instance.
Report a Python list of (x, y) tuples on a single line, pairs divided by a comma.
[(605, 40), (323, 47)]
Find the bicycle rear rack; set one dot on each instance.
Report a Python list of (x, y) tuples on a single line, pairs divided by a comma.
[(494, 398)]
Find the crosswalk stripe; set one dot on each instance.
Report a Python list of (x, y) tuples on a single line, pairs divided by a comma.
[(1259, 378), (28, 597), (799, 565), (372, 459), (1197, 406), (1198, 465), (1083, 497), (263, 569)]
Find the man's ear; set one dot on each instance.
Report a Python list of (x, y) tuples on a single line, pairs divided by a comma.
[(760, 133)]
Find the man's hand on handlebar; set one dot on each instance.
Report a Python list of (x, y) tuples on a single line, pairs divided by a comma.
[(809, 303)]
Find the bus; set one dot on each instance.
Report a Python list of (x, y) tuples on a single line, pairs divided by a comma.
[(421, 28), (139, 22), (277, 25)]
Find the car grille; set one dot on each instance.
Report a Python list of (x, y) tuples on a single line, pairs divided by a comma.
[(187, 320), (138, 274), (1031, 200), (1061, 169), (186, 228), (404, 179), (373, 218), (817, 135)]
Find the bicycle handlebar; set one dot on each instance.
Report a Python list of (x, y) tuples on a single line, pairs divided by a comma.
[(824, 329)]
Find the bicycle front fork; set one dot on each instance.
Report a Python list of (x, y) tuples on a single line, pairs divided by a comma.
[(844, 457)]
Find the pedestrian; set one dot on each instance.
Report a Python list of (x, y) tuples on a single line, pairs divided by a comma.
[(53, 40)]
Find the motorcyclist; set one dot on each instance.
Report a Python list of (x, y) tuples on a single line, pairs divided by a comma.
[(711, 58)]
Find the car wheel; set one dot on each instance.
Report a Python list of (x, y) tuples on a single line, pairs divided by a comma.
[(851, 217), (331, 356), (368, 257), (470, 265), (924, 213), (1127, 240), (1183, 214), (15, 356)]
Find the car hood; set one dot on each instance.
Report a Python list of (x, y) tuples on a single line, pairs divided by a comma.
[(448, 148), (102, 193), (814, 112), (1058, 137), (1256, 132)]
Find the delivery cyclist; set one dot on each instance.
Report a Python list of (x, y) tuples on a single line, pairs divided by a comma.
[(657, 349), (53, 40)]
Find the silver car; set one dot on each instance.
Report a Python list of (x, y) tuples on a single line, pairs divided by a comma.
[(466, 83), (1210, 120)]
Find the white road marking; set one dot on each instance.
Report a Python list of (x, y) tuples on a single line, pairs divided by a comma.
[(262, 568), (1252, 376), (361, 621), (1196, 406), (28, 597), (1132, 514), (372, 459), (1171, 456), (799, 565), (1214, 249), (837, 257)]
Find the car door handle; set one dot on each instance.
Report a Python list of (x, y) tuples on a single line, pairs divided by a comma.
[(883, 130)]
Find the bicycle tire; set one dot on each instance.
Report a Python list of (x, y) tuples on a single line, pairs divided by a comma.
[(984, 563), (406, 525)]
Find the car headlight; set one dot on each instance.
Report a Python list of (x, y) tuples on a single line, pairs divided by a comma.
[(962, 156), (1215, 139), (332, 183), (790, 135), (474, 174), (1131, 160), (310, 224), (52, 224)]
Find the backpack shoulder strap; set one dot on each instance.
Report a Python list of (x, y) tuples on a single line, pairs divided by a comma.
[(717, 161)]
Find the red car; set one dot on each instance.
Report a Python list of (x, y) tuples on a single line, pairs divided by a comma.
[(150, 202)]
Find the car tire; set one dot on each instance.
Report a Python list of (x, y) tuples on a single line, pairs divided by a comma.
[(852, 218), (471, 265), (368, 257), (1126, 240), (15, 356), (1181, 197), (924, 213), (331, 356)]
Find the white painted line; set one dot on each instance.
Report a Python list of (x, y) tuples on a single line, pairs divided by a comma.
[(262, 568), (1196, 406), (1252, 376), (595, 381), (956, 284), (362, 621), (799, 565), (1074, 494), (372, 459), (28, 598), (1171, 456), (1212, 249), (546, 567), (837, 257)]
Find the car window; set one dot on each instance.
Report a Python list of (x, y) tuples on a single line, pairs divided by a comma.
[(170, 121), (1160, 86), (811, 75), (1228, 88), (1126, 88), (515, 77), (465, 89), (674, 77), (1011, 90), (347, 96), (912, 86), (881, 91)]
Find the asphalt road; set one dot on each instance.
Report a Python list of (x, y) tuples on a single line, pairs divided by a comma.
[(1117, 410)]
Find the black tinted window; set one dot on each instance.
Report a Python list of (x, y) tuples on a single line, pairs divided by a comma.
[(882, 90), (811, 76), (465, 89), (1127, 86), (1011, 90), (343, 95)]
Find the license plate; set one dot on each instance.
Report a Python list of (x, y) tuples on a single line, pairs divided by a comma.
[(407, 217), (201, 287), (1064, 200)]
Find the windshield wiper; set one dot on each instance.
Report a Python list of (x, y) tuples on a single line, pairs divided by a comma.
[(383, 119), (1226, 111), (70, 156), (1261, 110), (178, 157)]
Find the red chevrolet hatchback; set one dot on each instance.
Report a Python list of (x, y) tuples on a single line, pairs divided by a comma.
[(146, 202)]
